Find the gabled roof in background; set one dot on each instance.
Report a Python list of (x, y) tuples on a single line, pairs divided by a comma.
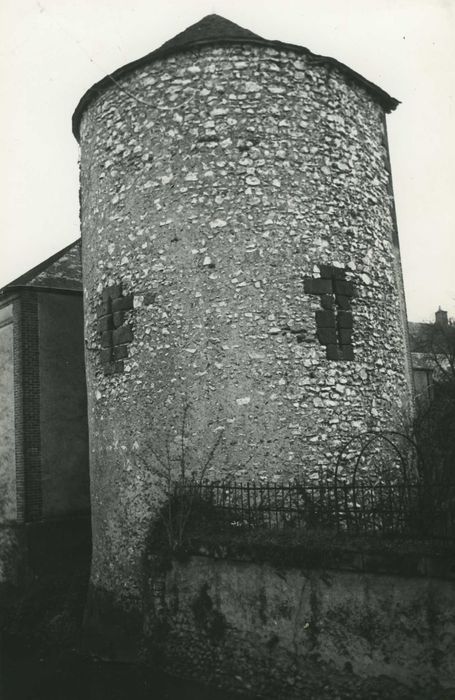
[(430, 338), (421, 336), (62, 271), (215, 30)]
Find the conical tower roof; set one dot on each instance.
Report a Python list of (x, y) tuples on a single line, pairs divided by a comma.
[(211, 28), (215, 30)]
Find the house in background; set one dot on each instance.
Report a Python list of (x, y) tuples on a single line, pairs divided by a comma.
[(432, 349), (44, 478)]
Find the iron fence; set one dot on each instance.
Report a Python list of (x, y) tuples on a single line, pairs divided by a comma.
[(411, 509)]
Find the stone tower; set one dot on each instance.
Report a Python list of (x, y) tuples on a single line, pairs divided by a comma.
[(244, 306)]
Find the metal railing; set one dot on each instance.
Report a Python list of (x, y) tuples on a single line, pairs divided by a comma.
[(423, 510)]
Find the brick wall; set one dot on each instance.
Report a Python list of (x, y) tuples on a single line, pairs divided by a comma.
[(27, 406), (8, 507), (63, 406)]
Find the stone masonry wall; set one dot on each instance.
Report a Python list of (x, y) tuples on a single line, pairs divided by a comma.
[(288, 632), (217, 186)]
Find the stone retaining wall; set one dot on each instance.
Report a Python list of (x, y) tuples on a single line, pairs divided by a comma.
[(286, 632)]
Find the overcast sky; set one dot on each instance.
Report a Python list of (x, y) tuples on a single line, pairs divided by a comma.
[(54, 50)]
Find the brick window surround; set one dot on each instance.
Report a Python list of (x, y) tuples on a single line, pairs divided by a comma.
[(114, 333), (334, 322)]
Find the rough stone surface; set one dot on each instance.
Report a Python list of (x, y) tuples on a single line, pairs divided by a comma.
[(213, 183), (281, 632)]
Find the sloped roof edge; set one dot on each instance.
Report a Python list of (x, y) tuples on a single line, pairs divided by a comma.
[(25, 279), (213, 30)]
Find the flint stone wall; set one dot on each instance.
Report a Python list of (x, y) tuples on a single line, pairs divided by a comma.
[(213, 183)]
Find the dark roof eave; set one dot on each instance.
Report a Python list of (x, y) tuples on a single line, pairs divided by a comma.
[(387, 102), (14, 288), (23, 280)]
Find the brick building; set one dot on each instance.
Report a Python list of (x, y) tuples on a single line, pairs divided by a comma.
[(432, 352), (43, 414)]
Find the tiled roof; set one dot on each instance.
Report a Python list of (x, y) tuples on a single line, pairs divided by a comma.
[(215, 30), (211, 27), (61, 271), (430, 337), (420, 336)]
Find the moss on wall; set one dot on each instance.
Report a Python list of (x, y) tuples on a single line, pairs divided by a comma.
[(285, 630)]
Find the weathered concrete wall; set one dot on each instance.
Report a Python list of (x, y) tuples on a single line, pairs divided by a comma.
[(7, 447), (63, 405), (280, 631), (215, 198)]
